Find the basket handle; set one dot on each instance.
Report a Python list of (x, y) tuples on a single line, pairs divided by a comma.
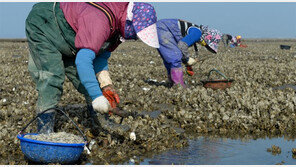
[(38, 115), (220, 73)]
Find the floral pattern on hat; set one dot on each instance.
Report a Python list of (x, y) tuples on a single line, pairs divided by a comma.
[(129, 31), (149, 36), (212, 37), (144, 16), (144, 19)]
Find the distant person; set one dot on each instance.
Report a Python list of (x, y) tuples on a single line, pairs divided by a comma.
[(175, 37), (231, 41), (76, 39)]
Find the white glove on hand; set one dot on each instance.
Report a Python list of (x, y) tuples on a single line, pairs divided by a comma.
[(191, 61), (101, 104)]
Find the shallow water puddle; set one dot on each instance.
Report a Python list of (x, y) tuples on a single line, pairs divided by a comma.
[(153, 114), (223, 151), (285, 86)]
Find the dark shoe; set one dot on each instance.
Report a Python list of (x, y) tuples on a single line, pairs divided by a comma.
[(90, 111), (45, 123), (95, 125)]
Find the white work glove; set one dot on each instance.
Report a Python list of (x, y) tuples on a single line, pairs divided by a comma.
[(101, 104), (191, 61)]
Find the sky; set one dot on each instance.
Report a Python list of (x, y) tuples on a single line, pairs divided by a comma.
[(248, 19)]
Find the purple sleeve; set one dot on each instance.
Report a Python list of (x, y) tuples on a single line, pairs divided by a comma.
[(93, 30)]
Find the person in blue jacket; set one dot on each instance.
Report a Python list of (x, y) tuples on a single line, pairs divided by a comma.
[(175, 37)]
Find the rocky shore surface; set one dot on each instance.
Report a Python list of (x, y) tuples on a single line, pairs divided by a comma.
[(261, 101)]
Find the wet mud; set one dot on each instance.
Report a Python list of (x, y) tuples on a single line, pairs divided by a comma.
[(252, 106)]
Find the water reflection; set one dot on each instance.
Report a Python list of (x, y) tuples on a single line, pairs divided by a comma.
[(223, 151)]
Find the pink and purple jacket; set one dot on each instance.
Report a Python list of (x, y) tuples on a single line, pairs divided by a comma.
[(92, 30), (91, 25)]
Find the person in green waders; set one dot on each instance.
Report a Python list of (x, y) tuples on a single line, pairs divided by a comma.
[(76, 39)]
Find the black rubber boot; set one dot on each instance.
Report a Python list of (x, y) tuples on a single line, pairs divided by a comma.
[(90, 111), (45, 123), (95, 127)]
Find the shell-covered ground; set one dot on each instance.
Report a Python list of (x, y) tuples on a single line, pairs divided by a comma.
[(252, 106)]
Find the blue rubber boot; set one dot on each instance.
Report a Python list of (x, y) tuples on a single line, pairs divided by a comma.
[(45, 123)]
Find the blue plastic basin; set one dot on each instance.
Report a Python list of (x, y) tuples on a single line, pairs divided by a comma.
[(49, 152)]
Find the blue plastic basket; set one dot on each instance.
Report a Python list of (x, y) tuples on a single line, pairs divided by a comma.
[(49, 152)]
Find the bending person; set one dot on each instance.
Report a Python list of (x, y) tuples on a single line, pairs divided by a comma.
[(175, 37), (76, 40)]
